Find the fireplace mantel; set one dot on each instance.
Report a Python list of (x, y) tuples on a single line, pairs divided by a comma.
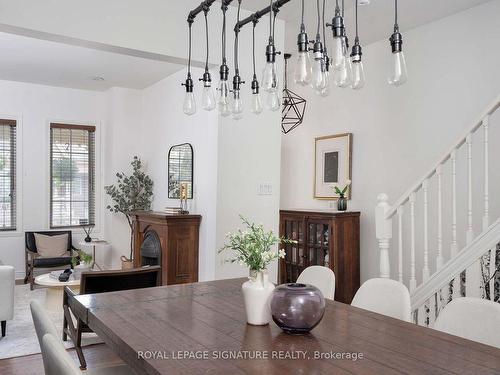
[(179, 237)]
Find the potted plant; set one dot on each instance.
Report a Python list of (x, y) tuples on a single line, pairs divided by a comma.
[(131, 193), (342, 200), (253, 248), (81, 262)]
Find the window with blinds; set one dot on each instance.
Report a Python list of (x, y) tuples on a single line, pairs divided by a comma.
[(72, 175), (8, 208)]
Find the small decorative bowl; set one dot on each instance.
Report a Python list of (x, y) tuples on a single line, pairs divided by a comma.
[(297, 308)]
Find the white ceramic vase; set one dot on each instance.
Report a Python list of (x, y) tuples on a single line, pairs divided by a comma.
[(83, 267), (257, 294)]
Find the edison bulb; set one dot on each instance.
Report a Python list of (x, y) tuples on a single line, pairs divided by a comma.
[(398, 74), (339, 51), (256, 105), (223, 102), (237, 110), (208, 97), (269, 80), (189, 105), (318, 79), (358, 75), (272, 100), (303, 70)]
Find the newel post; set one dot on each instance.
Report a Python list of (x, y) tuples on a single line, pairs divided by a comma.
[(384, 233)]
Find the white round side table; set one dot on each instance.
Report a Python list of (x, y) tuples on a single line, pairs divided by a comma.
[(94, 244), (54, 291)]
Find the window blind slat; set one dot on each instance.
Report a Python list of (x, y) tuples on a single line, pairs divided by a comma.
[(72, 166)]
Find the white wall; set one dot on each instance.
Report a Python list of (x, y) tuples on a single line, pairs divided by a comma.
[(164, 125), (35, 106), (400, 132)]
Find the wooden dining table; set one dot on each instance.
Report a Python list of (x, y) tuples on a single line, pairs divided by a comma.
[(200, 328)]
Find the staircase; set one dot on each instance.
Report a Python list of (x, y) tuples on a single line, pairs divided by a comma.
[(445, 246)]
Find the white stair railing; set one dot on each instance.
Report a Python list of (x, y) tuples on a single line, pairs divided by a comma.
[(386, 212)]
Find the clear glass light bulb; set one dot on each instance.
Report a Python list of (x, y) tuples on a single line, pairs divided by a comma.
[(273, 100), (339, 51), (269, 80), (318, 79), (398, 74), (325, 91), (303, 70), (256, 105), (341, 76), (223, 101), (189, 105), (208, 97), (237, 109), (358, 75), (348, 69)]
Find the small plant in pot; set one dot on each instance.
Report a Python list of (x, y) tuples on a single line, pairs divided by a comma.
[(81, 262), (131, 193), (254, 248), (342, 200)]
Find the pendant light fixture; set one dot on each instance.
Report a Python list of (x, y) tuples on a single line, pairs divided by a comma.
[(398, 74), (339, 50), (237, 109), (208, 96), (318, 68), (223, 102), (294, 106), (342, 76), (256, 105), (303, 70), (358, 74), (189, 104), (270, 76), (325, 90)]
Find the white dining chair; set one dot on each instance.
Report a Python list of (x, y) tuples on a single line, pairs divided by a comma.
[(56, 360), (321, 277), (384, 296), (471, 318)]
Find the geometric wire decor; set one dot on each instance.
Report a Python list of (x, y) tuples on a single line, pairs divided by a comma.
[(294, 106)]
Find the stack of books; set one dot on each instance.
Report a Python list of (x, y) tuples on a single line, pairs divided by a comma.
[(173, 210), (55, 275)]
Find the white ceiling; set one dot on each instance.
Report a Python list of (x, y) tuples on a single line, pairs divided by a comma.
[(39, 61), (375, 20)]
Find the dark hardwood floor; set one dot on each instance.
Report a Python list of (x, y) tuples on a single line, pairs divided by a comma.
[(97, 356)]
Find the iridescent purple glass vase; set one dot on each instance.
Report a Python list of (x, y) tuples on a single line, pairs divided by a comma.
[(297, 308)]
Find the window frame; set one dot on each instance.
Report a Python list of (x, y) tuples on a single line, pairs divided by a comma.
[(92, 198), (14, 183)]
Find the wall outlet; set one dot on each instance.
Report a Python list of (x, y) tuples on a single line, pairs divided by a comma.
[(265, 189)]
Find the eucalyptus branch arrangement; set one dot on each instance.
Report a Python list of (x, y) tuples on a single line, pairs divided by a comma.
[(253, 247), (131, 193), (343, 191)]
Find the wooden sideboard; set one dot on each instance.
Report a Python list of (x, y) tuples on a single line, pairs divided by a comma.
[(324, 238), (178, 237)]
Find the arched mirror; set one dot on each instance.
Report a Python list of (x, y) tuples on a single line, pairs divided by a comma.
[(180, 170)]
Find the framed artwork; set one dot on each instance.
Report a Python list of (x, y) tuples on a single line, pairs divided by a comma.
[(332, 165)]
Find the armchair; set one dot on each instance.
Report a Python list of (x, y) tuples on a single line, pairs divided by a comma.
[(7, 282), (34, 260)]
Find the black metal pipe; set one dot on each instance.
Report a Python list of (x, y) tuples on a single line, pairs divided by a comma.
[(200, 8), (255, 16)]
